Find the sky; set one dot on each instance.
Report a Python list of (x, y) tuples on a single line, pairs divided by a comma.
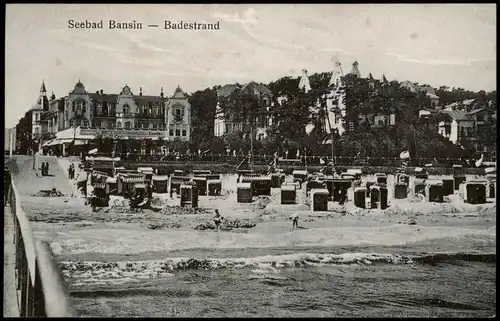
[(436, 44)]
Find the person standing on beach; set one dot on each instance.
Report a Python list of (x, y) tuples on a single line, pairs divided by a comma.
[(295, 221), (217, 219)]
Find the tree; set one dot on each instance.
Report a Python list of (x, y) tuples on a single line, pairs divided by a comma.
[(178, 145), (236, 140), (133, 145), (203, 106)]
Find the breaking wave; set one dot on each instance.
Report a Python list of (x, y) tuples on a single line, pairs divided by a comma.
[(94, 271)]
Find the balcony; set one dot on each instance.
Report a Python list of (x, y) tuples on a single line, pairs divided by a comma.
[(150, 116), (104, 115), (122, 132), (126, 115)]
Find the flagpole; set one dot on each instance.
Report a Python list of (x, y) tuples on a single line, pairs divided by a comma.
[(305, 159), (251, 144)]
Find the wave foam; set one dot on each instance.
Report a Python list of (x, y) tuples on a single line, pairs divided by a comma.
[(269, 264)]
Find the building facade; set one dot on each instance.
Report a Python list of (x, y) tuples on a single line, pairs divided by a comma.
[(463, 128), (334, 119), (178, 116), (10, 140), (430, 93), (226, 122), (118, 116)]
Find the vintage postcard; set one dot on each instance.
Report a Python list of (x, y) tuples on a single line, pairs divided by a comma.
[(250, 160)]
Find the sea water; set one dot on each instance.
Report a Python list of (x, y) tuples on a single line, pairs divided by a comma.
[(308, 282)]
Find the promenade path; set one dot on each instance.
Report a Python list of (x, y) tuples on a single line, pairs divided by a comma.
[(28, 183)]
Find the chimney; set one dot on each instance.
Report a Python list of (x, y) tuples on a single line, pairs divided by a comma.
[(161, 94), (97, 92), (140, 91), (102, 92)]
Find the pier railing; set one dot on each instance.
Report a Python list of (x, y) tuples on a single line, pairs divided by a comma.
[(40, 287)]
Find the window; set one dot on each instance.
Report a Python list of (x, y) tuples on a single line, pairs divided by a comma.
[(184, 132), (171, 132), (119, 124), (99, 109), (178, 113), (79, 106), (127, 125), (71, 123), (97, 124), (85, 123), (105, 108), (110, 125), (126, 109), (177, 132), (155, 126)]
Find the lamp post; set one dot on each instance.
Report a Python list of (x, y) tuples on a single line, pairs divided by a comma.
[(115, 141), (74, 139)]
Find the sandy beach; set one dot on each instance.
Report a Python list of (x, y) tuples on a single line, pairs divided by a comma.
[(120, 262), (74, 230)]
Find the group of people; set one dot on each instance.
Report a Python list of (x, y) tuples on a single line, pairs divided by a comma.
[(71, 171), (45, 168)]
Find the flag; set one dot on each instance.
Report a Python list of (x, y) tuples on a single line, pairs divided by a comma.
[(298, 154), (479, 162), (321, 161), (245, 163), (404, 155)]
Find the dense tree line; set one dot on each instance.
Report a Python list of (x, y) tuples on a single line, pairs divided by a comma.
[(364, 97), (296, 109)]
